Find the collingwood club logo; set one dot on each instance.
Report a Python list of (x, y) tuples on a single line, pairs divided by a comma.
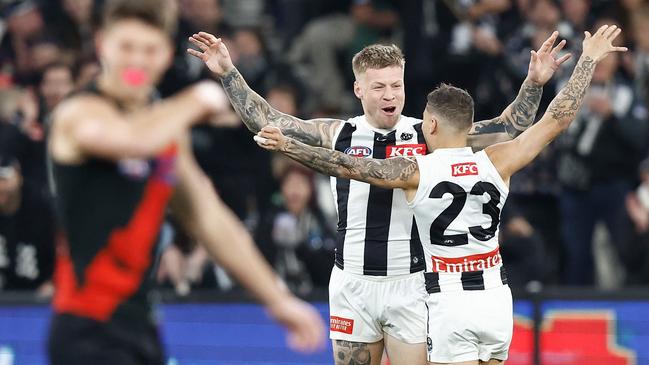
[(406, 136)]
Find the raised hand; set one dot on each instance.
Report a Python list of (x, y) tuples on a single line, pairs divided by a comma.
[(598, 45), (544, 62), (212, 51)]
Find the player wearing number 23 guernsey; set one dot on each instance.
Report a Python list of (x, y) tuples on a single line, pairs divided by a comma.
[(457, 196)]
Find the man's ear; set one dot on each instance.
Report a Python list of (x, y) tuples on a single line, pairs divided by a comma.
[(433, 125), (357, 90)]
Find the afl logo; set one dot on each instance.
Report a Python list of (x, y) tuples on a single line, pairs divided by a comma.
[(359, 151)]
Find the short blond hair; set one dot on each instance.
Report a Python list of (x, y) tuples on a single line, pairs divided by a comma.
[(377, 56)]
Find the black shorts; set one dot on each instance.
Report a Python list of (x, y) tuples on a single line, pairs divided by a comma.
[(75, 340)]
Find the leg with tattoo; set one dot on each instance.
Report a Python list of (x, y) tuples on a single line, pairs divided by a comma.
[(357, 353)]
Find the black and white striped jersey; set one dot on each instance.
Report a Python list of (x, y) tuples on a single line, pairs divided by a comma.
[(377, 234)]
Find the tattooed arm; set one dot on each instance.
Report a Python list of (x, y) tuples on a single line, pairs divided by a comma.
[(255, 112), (390, 173), (516, 118), (519, 115), (511, 156)]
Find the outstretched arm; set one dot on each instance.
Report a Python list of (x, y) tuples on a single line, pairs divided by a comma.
[(511, 156), (519, 115), (389, 173), (210, 221), (255, 112)]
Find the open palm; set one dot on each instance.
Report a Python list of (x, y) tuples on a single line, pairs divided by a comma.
[(212, 51), (598, 45), (544, 62)]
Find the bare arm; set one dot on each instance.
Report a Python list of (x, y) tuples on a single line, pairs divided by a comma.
[(511, 156), (255, 112), (88, 125), (210, 221), (388, 173)]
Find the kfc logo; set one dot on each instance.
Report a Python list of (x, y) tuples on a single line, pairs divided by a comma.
[(406, 150), (464, 169), (359, 151)]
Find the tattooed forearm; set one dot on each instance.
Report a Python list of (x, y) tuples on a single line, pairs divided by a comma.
[(352, 353), (390, 173), (520, 114), (565, 105), (255, 112), (514, 120)]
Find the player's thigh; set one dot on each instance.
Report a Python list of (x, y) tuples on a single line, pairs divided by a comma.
[(358, 353), (402, 353)]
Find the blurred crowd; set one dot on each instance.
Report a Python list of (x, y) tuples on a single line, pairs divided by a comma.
[(578, 216)]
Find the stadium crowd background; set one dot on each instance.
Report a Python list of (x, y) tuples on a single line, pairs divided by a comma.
[(578, 216)]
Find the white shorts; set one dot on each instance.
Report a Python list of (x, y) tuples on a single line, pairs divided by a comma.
[(363, 308), (470, 325)]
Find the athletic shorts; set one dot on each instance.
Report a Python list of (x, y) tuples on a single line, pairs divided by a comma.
[(81, 341), (363, 308), (469, 325)]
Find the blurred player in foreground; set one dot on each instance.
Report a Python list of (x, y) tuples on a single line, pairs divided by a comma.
[(119, 158)]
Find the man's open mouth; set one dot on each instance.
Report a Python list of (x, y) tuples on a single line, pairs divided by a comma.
[(390, 109)]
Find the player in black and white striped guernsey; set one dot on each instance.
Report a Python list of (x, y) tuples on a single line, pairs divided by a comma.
[(457, 196), (376, 289), (375, 225)]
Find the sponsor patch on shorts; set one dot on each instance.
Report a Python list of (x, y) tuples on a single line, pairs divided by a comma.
[(340, 324)]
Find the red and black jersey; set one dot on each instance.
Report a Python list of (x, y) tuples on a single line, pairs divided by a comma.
[(111, 214)]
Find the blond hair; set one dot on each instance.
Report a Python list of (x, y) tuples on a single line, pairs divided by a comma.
[(377, 56)]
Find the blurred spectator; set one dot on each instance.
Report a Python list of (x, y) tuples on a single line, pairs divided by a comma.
[(601, 150), (523, 250), (24, 21), (317, 52), (637, 205), (455, 42), (57, 81), (640, 31), (87, 71), (202, 15), (78, 25), (26, 232), (577, 19), (244, 13), (295, 236), (251, 58), (195, 16)]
